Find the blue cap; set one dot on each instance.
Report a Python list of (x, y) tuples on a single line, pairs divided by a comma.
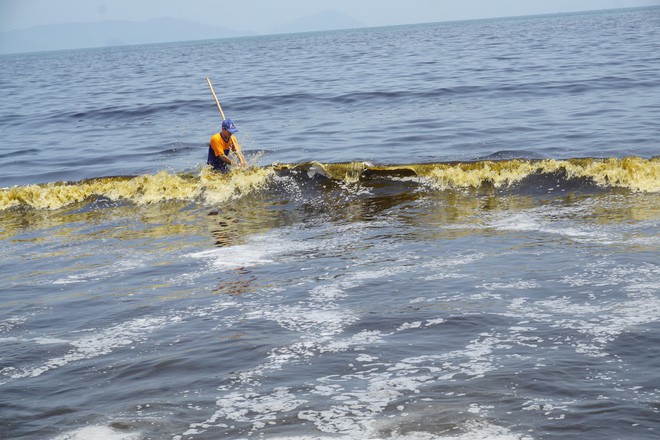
[(229, 125)]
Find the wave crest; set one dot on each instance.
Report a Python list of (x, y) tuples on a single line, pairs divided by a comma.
[(144, 189), (631, 173)]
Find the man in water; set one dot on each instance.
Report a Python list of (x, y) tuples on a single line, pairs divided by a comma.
[(220, 146)]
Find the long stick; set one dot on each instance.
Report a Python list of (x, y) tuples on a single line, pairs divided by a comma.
[(216, 99)]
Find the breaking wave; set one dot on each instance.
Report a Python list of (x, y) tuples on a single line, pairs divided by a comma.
[(526, 175)]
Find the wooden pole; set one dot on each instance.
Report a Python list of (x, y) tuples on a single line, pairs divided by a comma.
[(216, 99)]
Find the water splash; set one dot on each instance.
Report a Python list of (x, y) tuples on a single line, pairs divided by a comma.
[(631, 173)]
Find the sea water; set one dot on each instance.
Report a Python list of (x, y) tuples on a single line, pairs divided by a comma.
[(447, 230)]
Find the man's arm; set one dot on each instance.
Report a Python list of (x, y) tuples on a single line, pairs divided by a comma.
[(237, 150)]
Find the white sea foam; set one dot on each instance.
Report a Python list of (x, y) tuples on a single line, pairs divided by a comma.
[(319, 320), (249, 407), (98, 343), (470, 430), (443, 268), (593, 320), (551, 409), (512, 285), (98, 433), (353, 403), (409, 325), (257, 250), (12, 322), (235, 256), (562, 221), (50, 341), (118, 265)]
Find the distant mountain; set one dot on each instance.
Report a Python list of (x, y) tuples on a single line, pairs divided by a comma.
[(321, 21), (110, 33)]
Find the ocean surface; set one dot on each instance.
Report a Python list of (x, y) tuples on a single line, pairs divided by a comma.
[(447, 231)]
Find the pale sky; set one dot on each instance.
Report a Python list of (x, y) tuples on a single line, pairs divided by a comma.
[(261, 16)]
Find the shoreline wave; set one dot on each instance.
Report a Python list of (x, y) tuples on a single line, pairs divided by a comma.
[(631, 173)]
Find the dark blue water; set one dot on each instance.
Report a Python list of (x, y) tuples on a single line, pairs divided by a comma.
[(448, 231), (554, 86)]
